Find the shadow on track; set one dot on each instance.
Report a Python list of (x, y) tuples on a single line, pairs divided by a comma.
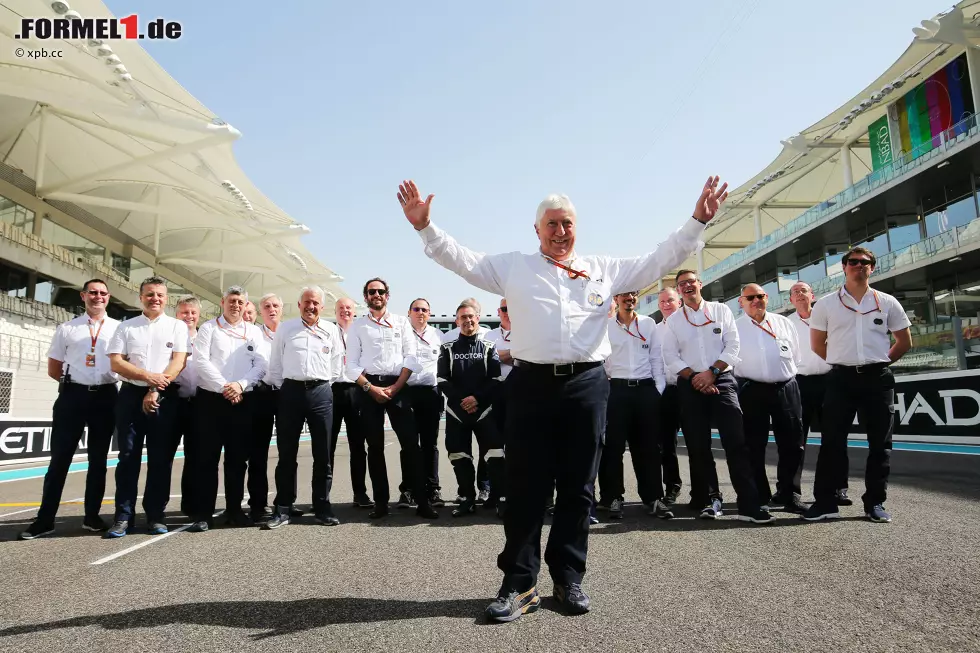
[(272, 618)]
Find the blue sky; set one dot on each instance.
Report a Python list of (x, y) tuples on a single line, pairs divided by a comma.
[(627, 107)]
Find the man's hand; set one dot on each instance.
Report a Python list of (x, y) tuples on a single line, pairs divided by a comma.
[(158, 381), (505, 356), (151, 402), (710, 389), (469, 404), (702, 379), (232, 392), (415, 209), (379, 394), (711, 198), (392, 390)]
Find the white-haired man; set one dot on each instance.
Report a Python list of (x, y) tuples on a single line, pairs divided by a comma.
[(558, 307), (307, 355)]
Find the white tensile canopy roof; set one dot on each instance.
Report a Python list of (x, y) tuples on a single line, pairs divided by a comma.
[(121, 139), (810, 169)]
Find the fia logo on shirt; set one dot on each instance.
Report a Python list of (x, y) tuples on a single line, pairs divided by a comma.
[(595, 299)]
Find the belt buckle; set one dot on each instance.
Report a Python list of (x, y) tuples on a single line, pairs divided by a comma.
[(632, 383), (92, 388), (564, 369)]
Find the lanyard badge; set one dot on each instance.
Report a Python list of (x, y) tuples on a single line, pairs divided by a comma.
[(90, 357)]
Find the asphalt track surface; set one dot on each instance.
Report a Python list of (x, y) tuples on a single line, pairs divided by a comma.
[(405, 584)]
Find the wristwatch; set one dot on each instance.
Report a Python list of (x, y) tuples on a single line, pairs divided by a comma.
[(366, 387), (715, 370)]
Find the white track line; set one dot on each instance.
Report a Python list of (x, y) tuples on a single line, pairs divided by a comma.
[(152, 540)]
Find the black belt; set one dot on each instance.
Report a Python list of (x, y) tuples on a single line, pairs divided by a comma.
[(343, 385), (312, 383), (776, 384), (89, 388), (631, 383), (383, 380), (557, 369), (870, 368)]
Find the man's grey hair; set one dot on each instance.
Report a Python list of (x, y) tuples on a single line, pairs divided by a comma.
[(189, 300), (669, 289), (553, 201), (270, 295), (317, 289), (153, 281), (470, 302), (235, 290)]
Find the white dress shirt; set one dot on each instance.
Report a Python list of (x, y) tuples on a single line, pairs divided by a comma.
[(228, 353), (342, 375), (263, 345), (857, 333), (85, 362), (500, 338), (383, 347), (555, 318), (636, 351), (671, 377), (696, 338), (769, 351), (426, 353), (148, 344), (304, 353), (812, 364), (187, 379)]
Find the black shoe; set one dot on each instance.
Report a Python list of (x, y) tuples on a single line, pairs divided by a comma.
[(362, 500), (157, 527), (757, 516), (119, 529), (877, 514), (36, 530), (779, 500), (95, 524), (572, 598), (237, 518), (327, 518), (615, 509), (426, 511), (259, 516), (465, 507), (483, 496), (510, 605), (405, 500), (200, 526), (816, 512), (671, 497), (602, 506), (660, 509), (295, 512), (842, 498), (277, 520), (795, 505), (435, 499), (380, 510), (501, 507)]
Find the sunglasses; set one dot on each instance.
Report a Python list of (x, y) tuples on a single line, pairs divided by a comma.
[(419, 309), (503, 309), (629, 293), (853, 262), (377, 291), (98, 293), (754, 297)]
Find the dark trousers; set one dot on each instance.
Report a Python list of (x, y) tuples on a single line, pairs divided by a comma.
[(813, 389), (186, 430), (554, 425), (426, 402), (373, 428), (265, 403), (670, 422), (699, 412), (633, 417), (871, 396), (220, 424), (156, 430), (345, 412), (459, 445), (778, 403), (312, 403), (75, 408)]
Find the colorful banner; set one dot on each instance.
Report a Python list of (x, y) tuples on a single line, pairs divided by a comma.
[(936, 105)]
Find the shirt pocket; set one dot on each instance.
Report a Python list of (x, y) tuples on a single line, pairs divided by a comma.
[(785, 349), (591, 295)]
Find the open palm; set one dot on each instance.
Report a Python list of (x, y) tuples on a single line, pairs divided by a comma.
[(711, 199), (416, 210)]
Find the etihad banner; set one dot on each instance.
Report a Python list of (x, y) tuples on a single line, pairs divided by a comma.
[(881, 143)]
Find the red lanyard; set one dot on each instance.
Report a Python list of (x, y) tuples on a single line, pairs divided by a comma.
[(506, 338), (770, 330), (802, 320), (572, 273), (626, 328), (312, 329), (854, 310), (95, 336), (230, 332), (419, 336), (265, 332), (383, 322), (706, 316)]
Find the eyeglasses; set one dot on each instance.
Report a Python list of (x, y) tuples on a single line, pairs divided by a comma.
[(754, 297), (503, 309), (376, 291), (687, 282), (98, 293), (853, 262), (419, 309)]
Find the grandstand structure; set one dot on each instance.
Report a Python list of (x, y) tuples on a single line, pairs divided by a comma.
[(895, 169), (110, 169)]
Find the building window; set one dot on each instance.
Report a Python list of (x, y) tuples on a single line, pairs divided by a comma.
[(16, 215), (6, 391), (81, 247)]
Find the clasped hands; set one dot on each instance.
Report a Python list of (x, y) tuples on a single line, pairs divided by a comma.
[(383, 395), (704, 382)]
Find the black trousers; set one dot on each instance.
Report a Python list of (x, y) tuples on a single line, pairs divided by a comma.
[(459, 445), (699, 412), (76, 408), (670, 422), (633, 416), (813, 389), (312, 403), (426, 402), (265, 403), (778, 403), (871, 396), (220, 425), (345, 411), (186, 430), (373, 429), (134, 428), (554, 425)]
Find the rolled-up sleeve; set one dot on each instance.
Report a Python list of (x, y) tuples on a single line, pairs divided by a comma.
[(354, 366), (671, 348), (729, 338)]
